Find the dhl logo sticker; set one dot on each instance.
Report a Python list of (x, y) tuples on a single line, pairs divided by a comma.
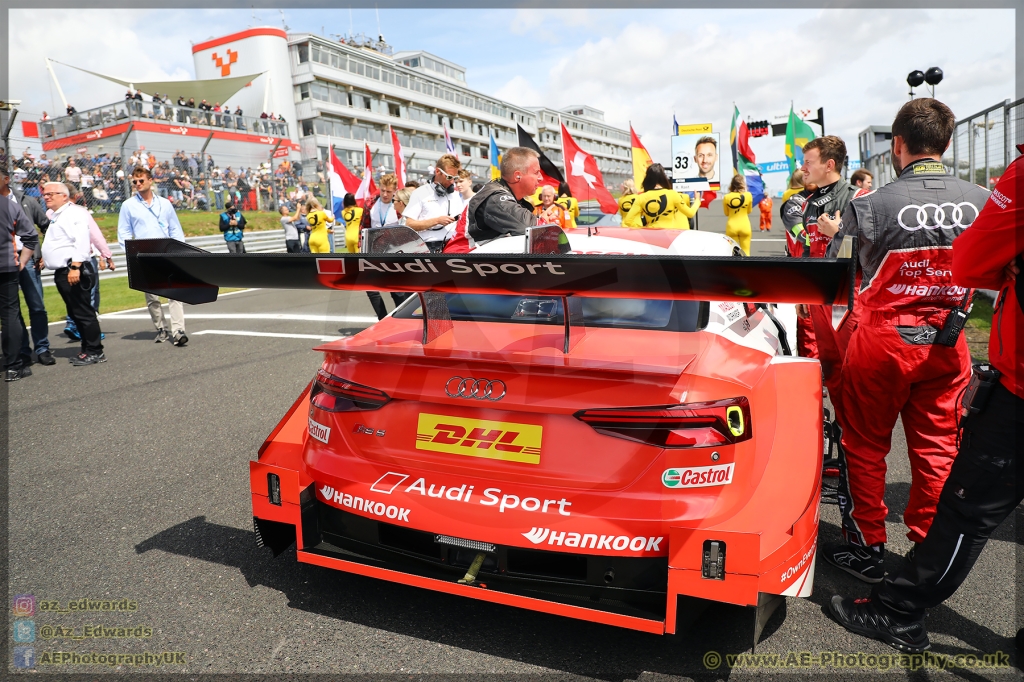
[(479, 438)]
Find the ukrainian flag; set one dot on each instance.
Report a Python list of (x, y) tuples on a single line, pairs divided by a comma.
[(495, 160)]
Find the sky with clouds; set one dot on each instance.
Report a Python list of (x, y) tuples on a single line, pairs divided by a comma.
[(638, 66)]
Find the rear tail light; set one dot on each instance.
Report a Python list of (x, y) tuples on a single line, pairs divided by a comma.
[(693, 425), (333, 394)]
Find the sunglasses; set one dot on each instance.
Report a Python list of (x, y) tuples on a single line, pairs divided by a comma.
[(139, 181), (453, 178)]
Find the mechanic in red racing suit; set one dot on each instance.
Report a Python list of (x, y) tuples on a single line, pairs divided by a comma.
[(896, 364), (984, 485)]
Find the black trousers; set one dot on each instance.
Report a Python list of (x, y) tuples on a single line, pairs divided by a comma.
[(983, 488), (11, 324), (79, 304), (292, 246), (378, 303)]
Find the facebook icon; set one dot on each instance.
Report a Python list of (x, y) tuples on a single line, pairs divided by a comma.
[(24, 657)]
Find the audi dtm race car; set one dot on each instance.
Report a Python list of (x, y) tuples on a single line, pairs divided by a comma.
[(587, 425)]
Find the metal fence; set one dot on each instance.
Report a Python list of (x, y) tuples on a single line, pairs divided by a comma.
[(984, 144)]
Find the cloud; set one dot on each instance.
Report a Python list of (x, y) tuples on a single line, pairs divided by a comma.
[(519, 91)]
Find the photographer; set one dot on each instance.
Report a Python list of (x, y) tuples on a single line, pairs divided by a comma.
[(232, 223), (983, 487)]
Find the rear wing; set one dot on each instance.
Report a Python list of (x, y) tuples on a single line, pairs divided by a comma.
[(170, 268)]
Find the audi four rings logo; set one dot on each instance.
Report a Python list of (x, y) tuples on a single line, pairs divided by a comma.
[(934, 216), (476, 389)]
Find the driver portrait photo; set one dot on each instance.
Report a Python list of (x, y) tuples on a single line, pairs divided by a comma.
[(705, 153)]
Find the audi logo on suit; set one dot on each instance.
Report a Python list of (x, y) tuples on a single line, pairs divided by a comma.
[(475, 389)]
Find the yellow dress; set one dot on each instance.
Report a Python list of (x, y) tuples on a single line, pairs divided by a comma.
[(737, 207), (572, 208), (319, 227), (353, 215), (626, 203), (661, 209)]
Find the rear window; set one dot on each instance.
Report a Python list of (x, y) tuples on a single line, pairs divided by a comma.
[(626, 313)]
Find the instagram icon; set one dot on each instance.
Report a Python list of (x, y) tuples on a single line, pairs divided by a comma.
[(24, 605)]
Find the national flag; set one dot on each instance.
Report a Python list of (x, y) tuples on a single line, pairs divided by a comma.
[(29, 129), (495, 160), (798, 133), (675, 128), (743, 160), (706, 198), (552, 176), (641, 159), (449, 146), (340, 181), (583, 176), (399, 157), (367, 189)]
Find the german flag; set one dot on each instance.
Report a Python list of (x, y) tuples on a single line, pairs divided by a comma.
[(552, 176)]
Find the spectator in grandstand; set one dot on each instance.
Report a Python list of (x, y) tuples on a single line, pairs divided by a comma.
[(193, 166), (28, 278), (737, 205), (239, 121), (216, 114), (72, 175), (266, 191), (151, 161), (217, 188), (148, 216), (88, 181), (242, 187), (71, 110), (232, 224), (548, 212), (862, 178)]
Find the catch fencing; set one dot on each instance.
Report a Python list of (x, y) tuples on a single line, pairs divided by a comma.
[(986, 143)]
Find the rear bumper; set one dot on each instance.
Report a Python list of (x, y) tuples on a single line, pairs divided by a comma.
[(644, 593)]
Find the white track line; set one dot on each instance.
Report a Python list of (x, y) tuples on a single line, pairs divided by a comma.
[(253, 316), (227, 332)]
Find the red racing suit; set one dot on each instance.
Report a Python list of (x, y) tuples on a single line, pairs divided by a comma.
[(893, 367), (979, 256)]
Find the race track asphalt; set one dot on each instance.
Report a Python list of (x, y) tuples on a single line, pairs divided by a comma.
[(129, 480)]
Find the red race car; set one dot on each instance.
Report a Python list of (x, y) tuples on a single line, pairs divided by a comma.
[(590, 426)]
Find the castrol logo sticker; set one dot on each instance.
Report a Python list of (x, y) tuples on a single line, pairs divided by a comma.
[(698, 477)]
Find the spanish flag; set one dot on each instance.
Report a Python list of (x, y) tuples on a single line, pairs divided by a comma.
[(641, 159)]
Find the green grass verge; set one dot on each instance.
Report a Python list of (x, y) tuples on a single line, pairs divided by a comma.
[(981, 313), (195, 224), (114, 295)]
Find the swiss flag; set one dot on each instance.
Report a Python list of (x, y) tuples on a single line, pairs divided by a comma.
[(367, 189), (584, 178), (399, 157)]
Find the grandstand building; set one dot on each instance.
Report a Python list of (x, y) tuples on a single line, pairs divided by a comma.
[(334, 92)]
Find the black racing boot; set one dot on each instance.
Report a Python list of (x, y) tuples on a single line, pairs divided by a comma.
[(865, 617), (865, 563)]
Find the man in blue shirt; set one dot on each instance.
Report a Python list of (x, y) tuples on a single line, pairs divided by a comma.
[(148, 216)]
